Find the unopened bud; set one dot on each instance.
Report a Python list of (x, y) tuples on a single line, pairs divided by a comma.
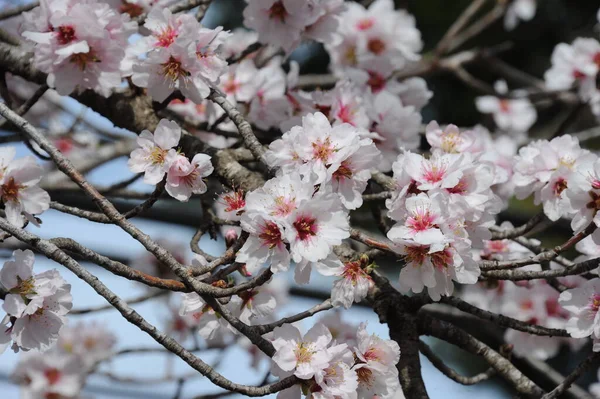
[(231, 237)]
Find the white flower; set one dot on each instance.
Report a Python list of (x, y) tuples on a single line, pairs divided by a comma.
[(573, 63), (583, 303), (265, 245), (338, 379), (516, 115), (185, 178), (302, 355), (156, 154), (81, 45), (255, 304), (423, 218), (26, 292), (40, 330), (19, 190), (378, 354), (353, 286), (50, 375), (316, 226)]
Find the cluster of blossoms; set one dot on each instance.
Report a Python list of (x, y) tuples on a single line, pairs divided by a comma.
[(357, 366), (158, 156), (79, 44), (284, 23), (19, 191), (443, 206), (577, 65), (61, 372), (534, 302), (36, 305), (563, 177), (378, 40), (179, 54)]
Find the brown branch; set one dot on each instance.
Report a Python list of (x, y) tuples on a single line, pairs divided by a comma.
[(451, 373), (590, 361)]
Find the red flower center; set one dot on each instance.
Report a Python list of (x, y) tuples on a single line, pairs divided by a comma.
[(52, 375), (306, 227), (66, 34), (270, 234), (376, 46), (278, 11)]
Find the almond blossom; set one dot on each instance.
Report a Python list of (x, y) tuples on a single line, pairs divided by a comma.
[(353, 285), (185, 178), (302, 355), (523, 10), (19, 190), (510, 114), (157, 152), (81, 46), (583, 303)]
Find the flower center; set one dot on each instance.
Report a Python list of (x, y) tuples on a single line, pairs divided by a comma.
[(433, 173), (306, 227), (365, 376), (343, 172), (235, 201), (421, 219), (376, 81), (270, 234), (376, 46), (566, 161), (231, 86), (66, 34), (278, 11), (303, 353), (158, 156), (24, 287), (83, 59), (560, 185), (133, 10), (346, 114), (441, 259), (504, 105), (350, 55), (417, 254), (460, 188), (450, 142), (173, 70), (323, 150), (353, 272), (594, 302), (166, 37), (595, 202), (10, 190), (365, 23), (52, 375), (284, 206)]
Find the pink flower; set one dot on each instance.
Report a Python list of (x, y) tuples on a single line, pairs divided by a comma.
[(422, 222), (265, 245), (156, 154), (185, 178), (51, 375), (81, 46)]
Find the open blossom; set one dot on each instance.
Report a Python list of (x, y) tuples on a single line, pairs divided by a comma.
[(583, 303), (50, 375), (80, 46), (572, 63), (547, 170), (210, 324), (376, 364), (283, 23), (584, 195), (449, 139), (510, 114), (353, 285), (436, 269), (423, 218), (19, 190), (157, 152), (302, 355), (185, 178), (255, 304)]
